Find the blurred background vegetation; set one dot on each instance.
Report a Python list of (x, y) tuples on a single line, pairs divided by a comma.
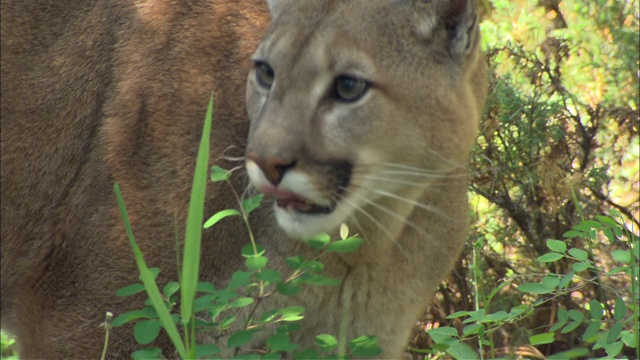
[(559, 146)]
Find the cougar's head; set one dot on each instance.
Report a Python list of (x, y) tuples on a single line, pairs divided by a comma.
[(360, 104)]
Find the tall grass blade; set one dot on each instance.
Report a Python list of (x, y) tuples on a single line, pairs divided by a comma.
[(193, 233), (148, 280)]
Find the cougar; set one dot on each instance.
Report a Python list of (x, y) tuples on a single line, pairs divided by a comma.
[(359, 112)]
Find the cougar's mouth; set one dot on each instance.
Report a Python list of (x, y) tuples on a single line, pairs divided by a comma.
[(299, 204), (291, 201)]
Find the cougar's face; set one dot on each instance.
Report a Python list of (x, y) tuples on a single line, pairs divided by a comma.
[(340, 121)]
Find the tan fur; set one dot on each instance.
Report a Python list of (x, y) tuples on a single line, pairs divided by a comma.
[(97, 92)]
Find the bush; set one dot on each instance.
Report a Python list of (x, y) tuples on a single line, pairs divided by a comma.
[(552, 254)]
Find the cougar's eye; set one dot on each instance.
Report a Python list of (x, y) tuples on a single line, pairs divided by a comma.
[(264, 74), (349, 89)]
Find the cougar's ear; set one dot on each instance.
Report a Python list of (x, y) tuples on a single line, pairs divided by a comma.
[(458, 17)]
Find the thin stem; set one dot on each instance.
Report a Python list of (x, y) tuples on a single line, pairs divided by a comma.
[(245, 218), (476, 296), (107, 326)]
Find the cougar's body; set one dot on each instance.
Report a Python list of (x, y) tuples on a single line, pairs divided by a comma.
[(359, 112)]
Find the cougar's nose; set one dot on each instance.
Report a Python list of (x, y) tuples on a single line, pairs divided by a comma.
[(273, 167)]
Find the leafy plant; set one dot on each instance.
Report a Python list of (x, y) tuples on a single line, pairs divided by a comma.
[(610, 329), (216, 311), (558, 150)]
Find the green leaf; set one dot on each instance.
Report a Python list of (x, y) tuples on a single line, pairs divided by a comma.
[(565, 280), (205, 287), (588, 225), (289, 327), (605, 220), (617, 231), (345, 246), (271, 356), (517, 310), (146, 331), (293, 313), (630, 339), (461, 351), (240, 338), (498, 316), (579, 254), (544, 338), (269, 275), (319, 241), (456, 314), (581, 266), (170, 288), (295, 262), (576, 315), (563, 316), (445, 331), (154, 271), (219, 174), (550, 257), (280, 341), (310, 354), (130, 290), (365, 346), (147, 354), (550, 281), (476, 315), (219, 216), (146, 313), (248, 357), (269, 316), (249, 251), (325, 342), (570, 354), (228, 321), (312, 266), (256, 263), (609, 234), (572, 233), (592, 330), (613, 349), (288, 289), (619, 269), (595, 309), (205, 350), (620, 309), (623, 256), (571, 326), (248, 205), (472, 329), (556, 245), (241, 302), (534, 288), (614, 332), (239, 279), (204, 302)]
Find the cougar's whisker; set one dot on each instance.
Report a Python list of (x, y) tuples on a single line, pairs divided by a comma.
[(394, 215), (412, 202), (375, 221)]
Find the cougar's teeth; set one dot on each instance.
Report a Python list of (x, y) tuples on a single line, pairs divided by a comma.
[(302, 205)]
